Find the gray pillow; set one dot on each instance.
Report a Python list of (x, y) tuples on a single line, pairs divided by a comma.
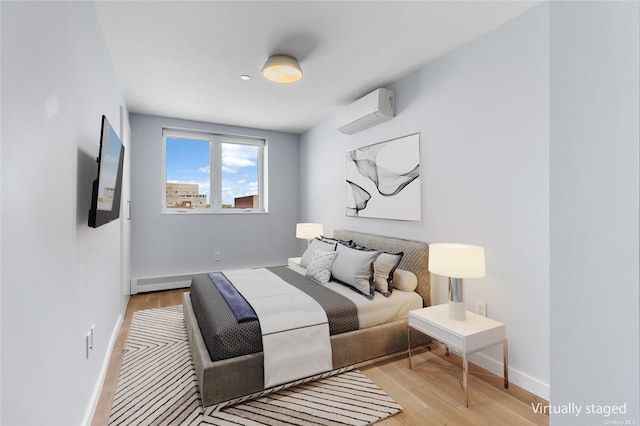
[(315, 244), (355, 269), (319, 267), (383, 269), (348, 243)]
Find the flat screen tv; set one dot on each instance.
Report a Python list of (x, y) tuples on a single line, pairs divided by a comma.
[(105, 200)]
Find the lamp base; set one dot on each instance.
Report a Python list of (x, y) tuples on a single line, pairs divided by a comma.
[(457, 311)]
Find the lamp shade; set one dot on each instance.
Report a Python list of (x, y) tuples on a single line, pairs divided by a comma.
[(308, 231), (456, 260), (282, 69)]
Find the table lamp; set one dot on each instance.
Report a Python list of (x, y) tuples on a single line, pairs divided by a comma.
[(308, 231), (456, 261)]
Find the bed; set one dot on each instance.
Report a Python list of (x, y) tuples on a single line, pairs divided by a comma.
[(241, 374)]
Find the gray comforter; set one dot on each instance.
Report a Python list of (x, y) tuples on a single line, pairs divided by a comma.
[(226, 338)]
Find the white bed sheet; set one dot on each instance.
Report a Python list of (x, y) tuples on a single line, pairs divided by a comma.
[(295, 330), (380, 309)]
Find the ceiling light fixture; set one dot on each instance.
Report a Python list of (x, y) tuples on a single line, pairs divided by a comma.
[(282, 69), (245, 77)]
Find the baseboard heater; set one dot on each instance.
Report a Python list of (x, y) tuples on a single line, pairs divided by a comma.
[(143, 285)]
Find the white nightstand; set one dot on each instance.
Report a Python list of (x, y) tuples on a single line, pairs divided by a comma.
[(461, 337)]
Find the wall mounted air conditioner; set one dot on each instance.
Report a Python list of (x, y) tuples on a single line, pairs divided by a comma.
[(374, 108)]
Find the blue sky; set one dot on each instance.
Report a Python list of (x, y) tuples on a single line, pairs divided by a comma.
[(188, 162)]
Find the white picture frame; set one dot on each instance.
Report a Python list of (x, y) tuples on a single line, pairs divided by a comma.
[(383, 180)]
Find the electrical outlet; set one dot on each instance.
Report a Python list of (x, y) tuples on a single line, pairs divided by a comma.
[(216, 255), (481, 308)]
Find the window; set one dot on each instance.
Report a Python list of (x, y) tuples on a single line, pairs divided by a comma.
[(211, 173)]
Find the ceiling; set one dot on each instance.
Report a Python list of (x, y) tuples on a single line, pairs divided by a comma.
[(184, 59)]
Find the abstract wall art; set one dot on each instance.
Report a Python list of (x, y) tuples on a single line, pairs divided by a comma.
[(383, 180)]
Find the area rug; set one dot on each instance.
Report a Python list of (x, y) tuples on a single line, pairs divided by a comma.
[(157, 386)]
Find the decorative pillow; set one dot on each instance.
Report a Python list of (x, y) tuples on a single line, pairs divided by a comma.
[(405, 280), (319, 267), (348, 243), (383, 268), (359, 247), (315, 244), (354, 268)]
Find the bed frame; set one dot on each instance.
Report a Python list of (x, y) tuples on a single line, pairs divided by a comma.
[(228, 379)]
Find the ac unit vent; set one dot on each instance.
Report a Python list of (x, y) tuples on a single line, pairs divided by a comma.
[(374, 108)]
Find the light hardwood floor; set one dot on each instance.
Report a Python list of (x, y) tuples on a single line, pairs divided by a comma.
[(137, 302), (429, 393)]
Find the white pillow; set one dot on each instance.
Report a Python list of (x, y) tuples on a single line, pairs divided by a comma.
[(355, 269), (315, 244), (405, 280), (319, 267), (384, 267)]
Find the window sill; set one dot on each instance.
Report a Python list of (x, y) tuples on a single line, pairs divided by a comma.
[(210, 211)]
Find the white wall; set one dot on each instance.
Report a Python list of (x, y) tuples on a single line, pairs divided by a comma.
[(482, 115), (59, 277), (0, 219), (170, 244), (595, 152)]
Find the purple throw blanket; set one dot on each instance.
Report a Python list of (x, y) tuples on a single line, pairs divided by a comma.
[(238, 305)]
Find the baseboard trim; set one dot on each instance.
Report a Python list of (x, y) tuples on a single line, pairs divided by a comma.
[(95, 396), (516, 377)]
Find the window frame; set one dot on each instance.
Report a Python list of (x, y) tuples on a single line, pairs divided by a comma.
[(215, 141)]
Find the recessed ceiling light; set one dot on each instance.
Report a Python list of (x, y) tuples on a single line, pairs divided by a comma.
[(245, 77), (282, 69)]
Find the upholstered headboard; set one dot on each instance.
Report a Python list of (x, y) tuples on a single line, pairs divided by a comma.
[(415, 259)]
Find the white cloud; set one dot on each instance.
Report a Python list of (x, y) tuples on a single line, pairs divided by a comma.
[(200, 183), (240, 188), (235, 157)]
